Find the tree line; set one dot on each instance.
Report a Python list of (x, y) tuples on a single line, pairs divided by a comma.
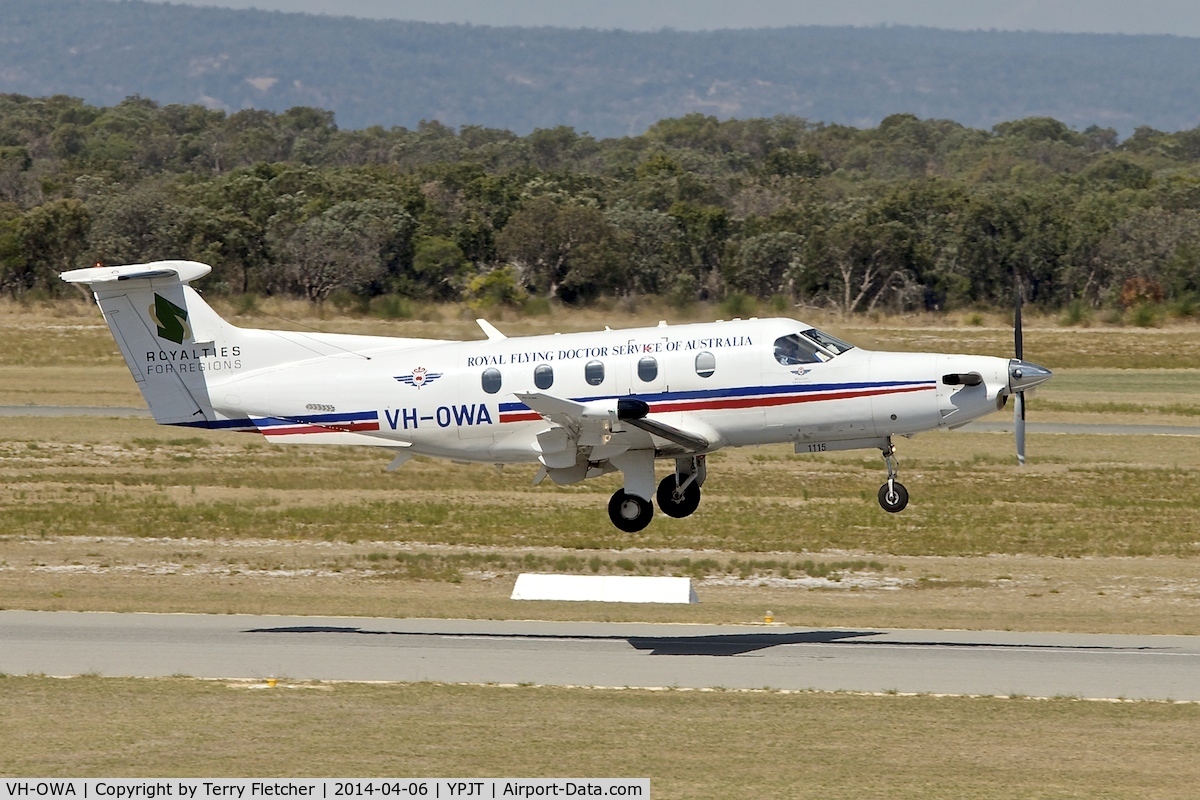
[(910, 215)]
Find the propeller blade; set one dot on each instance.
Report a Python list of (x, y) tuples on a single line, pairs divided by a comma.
[(1019, 405), (1018, 333), (1019, 425)]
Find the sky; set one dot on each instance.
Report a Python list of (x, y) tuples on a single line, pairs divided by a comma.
[(1180, 17)]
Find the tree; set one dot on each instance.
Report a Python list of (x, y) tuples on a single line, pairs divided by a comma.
[(15, 163), (1006, 234), (439, 268), (869, 257), (45, 241), (354, 245), (1154, 247), (703, 233), (136, 227), (765, 263), (547, 241), (644, 242)]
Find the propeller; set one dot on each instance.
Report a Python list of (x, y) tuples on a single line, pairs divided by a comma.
[(1022, 376), (1019, 404)]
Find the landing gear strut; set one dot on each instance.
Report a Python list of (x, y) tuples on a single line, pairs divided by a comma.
[(893, 497), (629, 512), (679, 494)]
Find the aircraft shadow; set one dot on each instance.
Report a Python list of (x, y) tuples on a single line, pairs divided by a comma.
[(716, 645), (713, 645)]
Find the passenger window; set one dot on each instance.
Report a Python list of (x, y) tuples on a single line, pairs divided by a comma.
[(593, 373), (795, 349), (491, 380), (543, 376), (648, 369), (706, 364)]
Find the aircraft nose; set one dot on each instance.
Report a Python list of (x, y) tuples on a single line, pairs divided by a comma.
[(1024, 375)]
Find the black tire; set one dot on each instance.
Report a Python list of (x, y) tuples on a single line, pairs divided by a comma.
[(896, 501), (629, 512), (686, 505)]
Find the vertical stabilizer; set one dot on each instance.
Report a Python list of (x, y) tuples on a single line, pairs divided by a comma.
[(171, 339)]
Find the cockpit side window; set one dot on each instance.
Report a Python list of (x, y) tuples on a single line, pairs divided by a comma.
[(830, 343), (795, 349)]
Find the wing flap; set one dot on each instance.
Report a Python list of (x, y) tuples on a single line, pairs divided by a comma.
[(602, 423), (690, 442)]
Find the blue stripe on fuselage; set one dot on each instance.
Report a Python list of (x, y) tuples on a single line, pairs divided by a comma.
[(738, 391)]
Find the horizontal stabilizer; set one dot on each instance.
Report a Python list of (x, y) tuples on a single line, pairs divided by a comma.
[(181, 271)]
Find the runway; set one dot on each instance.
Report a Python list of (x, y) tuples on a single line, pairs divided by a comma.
[(601, 654)]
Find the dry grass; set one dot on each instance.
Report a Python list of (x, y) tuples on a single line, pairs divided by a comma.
[(73, 332), (1083, 495), (1099, 534), (690, 744), (1136, 596)]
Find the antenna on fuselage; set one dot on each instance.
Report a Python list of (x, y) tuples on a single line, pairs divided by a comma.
[(490, 330)]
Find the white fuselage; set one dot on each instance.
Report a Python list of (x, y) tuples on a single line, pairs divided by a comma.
[(720, 378), (581, 404)]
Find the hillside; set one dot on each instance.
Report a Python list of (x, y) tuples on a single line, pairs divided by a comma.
[(607, 83)]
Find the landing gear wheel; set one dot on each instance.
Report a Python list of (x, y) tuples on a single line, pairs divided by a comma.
[(893, 497), (629, 512), (683, 505)]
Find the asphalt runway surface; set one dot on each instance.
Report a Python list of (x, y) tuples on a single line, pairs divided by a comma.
[(601, 654)]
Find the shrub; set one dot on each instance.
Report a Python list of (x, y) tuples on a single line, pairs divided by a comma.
[(738, 305), (392, 306), (1077, 313)]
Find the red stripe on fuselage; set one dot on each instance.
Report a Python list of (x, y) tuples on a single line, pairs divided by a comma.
[(520, 416), (757, 402)]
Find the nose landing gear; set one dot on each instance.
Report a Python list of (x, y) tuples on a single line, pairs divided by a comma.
[(678, 499), (679, 494), (893, 497)]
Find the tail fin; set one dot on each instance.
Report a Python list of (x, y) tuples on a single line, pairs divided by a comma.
[(170, 338)]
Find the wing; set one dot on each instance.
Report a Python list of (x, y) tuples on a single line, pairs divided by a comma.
[(690, 442), (584, 435)]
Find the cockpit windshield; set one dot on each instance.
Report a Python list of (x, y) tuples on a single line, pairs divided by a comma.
[(810, 347), (795, 349), (830, 343)]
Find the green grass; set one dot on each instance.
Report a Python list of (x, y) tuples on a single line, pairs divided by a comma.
[(451, 566), (1080, 496), (1126, 409)]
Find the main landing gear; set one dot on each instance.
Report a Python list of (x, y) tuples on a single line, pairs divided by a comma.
[(629, 512), (678, 496), (893, 497)]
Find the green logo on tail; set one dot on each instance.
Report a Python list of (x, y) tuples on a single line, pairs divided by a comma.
[(170, 319)]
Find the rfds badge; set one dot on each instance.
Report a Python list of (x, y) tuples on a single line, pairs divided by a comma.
[(419, 377)]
